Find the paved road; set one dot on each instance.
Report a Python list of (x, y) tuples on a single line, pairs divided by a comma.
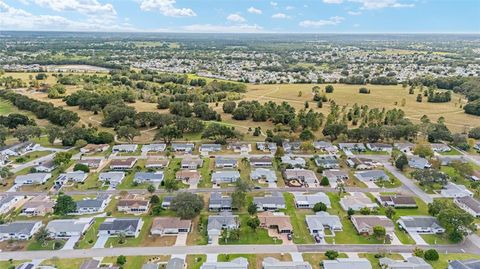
[(211, 249)]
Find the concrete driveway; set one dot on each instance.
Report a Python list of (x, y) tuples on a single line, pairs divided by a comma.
[(181, 240), (418, 239), (101, 241), (71, 242), (214, 240)]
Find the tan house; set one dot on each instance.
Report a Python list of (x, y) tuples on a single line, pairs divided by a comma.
[(38, 206), (365, 223), (92, 148), (275, 220), (133, 205), (122, 164), (188, 175), (156, 163), (170, 226)]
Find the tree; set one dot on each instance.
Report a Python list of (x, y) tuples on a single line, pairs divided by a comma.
[(379, 231), (127, 132), (350, 212), (389, 212), (329, 88), (187, 205), (3, 135), (121, 260), (154, 199), (306, 135), (65, 205), (239, 196), (324, 181), (334, 130), (24, 133), (168, 133), (319, 207), (229, 107), (81, 167), (219, 133), (253, 223), (42, 235), (171, 184), (431, 255), (365, 211), (423, 150), (474, 133), (429, 177), (151, 188), (401, 162), (331, 254), (252, 209), (62, 157), (5, 172)]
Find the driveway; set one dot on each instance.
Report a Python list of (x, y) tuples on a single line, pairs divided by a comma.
[(395, 240), (71, 242), (418, 239), (296, 256), (214, 240), (101, 241), (212, 257), (371, 184), (181, 239)]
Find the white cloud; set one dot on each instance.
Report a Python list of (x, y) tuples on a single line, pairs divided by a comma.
[(86, 7), (236, 18), (354, 13), (211, 28), (331, 21), (379, 4), (289, 7), (18, 19), (356, 25), (333, 1), (273, 4), (254, 10), (280, 16), (167, 8)]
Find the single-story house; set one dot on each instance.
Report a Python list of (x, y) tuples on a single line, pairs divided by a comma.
[(357, 201), (46, 166), (420, 224), (452, 190), (63, 228), (183, 147), (154, 148), (225, 176), (263, 161), (304, 176), (224, 220), (75, 176), (18, 148), (447, 160), (440, 147), (92, 205), (242, 147), (304, 200), (325, 146), (38, 206), (95, 264), (343, 263), (170, 225), (267, 146), (32, 178), (133, 205), (272, 263), (464, 264), (371, 175), (122, 164), (210, 148), (19, 230), (92, 162), (151, 265), (404, 147), (317, 223), (291, 146), (148, 177), (113, 178), (364, 223), (92, 148), (188, 175), (219, 202), (167, 200), (417, 162), (362, 163), (156, 163), (379, 147), (8, 202), (352, 147), (268, 175), (114, 226), (413, 262), (293, 161), (125, 148), (173, 263), (327, 161), (335, 176), (397, 201), (223, 162), (469, 204), (191, 163), (237, 263), (275, 220), (275, 201)]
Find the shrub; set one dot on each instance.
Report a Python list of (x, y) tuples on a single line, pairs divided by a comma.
[(364, 90), (431, 255)]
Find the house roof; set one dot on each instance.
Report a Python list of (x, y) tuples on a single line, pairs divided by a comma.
[(68, 225), (149, 176), (398, 199), (276, 199), (369, 221), (465, 264), (91, 203), (333, 174), (262, 159), (220, 161), (226, 174), (371, 175), (123, 162), (17, 227), (420, 221), (312, 198), (156, 161), (410, 263), (36, 177), (278, 219), (455, 190), (117, 224), (218, 200), (132, 202), (259, 173), (112, 176), (272, 263), (342, 263), (210, 147), (237, 263), (304, 174), (161, 223), (154, 147), (322, 219), (223, 219), (130, 147), (470, 202), (175, 263), (190, 174)]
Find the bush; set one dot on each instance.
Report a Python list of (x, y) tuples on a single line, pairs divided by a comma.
[(331, 254), (431, 255), (81, 167), (319, 207), (364, 90), (329, 89)]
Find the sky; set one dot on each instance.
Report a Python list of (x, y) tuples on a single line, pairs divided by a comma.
[(243, 16)]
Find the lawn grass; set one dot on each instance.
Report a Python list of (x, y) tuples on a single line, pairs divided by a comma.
[(451, 152), (63, 263), (135, 262), (198, 233), (375, 261), (8, 264), (229, 257), (444, 258), (31, 156), (205, 173), (249, 236), (90, 237), (314, 259), (140, 240), (439, 239), (195, 261), (48, 245), (301, 235)]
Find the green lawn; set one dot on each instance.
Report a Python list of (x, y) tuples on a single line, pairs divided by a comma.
[(31, 156), (195, 261), (444, 258), (439, 239), (252, 263), (133, 242), (63, 263), (315, 258), (375, 261), (90, 237), (205, 172), (48, 245), (133, 262), (301, 235), (249, 236), (451, 152)]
